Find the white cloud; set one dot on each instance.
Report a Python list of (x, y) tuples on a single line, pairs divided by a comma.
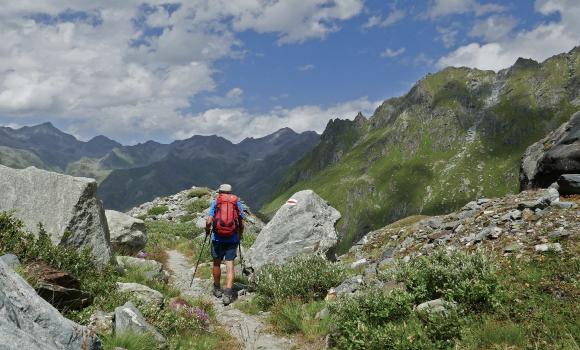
[(390, 53), (306, 67), (441, 8), (539, 43), (448, 35), (231, 98), (494, 28), (393, 17), (132, 67), (303, 118)]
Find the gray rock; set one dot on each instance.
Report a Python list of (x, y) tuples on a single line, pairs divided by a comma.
[(548, 247), (545, 198), (559, 234), (569, 184), (306, 227), (564, 205), (141, 293), (66, 206), (101, 322), (483, 201), (556, 154), (128, 235), (322, 314), (437, 306), (152, 270), (10, 260), (358, 263), (29, 322), (349, 286), (512, 216), (129, 319)]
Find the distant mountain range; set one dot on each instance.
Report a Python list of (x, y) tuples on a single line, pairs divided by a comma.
[(130, 175), (456, 135)]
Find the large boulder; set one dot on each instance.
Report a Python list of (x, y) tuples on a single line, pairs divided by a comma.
[(141, 293), (66, 206), (29, 322), (304, 225), (556, 154), (128, 234)]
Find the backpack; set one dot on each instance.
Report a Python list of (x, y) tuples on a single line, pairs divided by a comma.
[(227, 215)]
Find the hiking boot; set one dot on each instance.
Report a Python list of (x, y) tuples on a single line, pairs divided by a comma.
[(230, 296), (217, 291)]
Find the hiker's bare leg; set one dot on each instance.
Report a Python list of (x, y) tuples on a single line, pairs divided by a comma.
[(230, 274), (217, 272)]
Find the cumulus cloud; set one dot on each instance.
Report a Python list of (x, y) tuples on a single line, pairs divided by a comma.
[(494, 28), (448, 35), (441, 8), (132, 67), (390, 53), (539, 43), (303, 118), (231, 98)]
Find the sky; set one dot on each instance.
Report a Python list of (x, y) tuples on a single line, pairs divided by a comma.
[(136, 70)]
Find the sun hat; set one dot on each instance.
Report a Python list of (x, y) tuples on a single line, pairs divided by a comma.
[(225, 188)]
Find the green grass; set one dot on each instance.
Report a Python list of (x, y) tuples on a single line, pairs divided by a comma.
[(129, 341), (158, 210), (293, 316), (136, 274)]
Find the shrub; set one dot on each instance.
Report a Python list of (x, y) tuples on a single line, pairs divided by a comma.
[(306, 277), (100, 282), (197, 206), (186, 218), (198, 192), (469, 279), (158, 210), (170, 323), (292, 316)]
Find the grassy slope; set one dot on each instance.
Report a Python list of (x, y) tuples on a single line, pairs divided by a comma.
[(421, 158)]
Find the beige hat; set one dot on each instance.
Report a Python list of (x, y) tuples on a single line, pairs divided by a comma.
[(225, 188)]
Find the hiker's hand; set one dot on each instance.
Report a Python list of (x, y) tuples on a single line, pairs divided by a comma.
[(207, 231)]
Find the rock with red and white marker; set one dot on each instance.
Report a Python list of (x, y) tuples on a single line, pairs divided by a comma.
[(305, 224)]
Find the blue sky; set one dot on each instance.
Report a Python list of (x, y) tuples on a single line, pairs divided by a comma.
[(135, 71)]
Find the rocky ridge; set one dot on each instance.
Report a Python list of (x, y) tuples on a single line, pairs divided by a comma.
[(526, 223)]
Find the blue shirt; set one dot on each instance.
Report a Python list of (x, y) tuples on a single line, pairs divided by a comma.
[(233, 239)]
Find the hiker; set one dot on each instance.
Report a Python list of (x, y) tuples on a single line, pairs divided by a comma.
[(226, 216)]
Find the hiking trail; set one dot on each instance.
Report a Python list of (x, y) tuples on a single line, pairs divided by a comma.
[(247, 329)]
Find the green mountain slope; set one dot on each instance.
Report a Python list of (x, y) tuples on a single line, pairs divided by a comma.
[(457, 135)]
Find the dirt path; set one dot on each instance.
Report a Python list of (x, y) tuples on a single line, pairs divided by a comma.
[(249, 330)]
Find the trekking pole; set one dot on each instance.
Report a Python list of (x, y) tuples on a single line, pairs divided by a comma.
[(198, 259)]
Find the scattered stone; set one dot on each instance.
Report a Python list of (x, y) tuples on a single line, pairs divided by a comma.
[(10, 260), (331, 295), (512, 216), (513, 247), (304, 225), (359, 263), (128, 235), (349, 286), (101, 322), (141, 293), (559, 234), (437, 306), (129, 319), (322, 314), (569, 184), (152, 270), (66, 206), (483, 201), (565, 205), (32, 323), (547, 247)]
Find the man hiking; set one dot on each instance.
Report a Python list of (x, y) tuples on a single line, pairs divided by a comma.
[(226, 216)]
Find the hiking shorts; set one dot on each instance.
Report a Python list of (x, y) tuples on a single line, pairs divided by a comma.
[(224, 251)]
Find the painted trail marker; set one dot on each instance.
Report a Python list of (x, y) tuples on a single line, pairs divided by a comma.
[(291, 201)]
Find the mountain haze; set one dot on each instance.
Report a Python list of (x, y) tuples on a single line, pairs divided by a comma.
[(456, 135)]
